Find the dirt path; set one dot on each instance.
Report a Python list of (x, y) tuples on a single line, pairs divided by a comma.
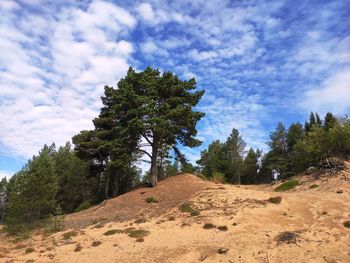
[(315, 217)]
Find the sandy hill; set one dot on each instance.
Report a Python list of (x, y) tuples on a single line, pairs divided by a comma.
[(218, 223)]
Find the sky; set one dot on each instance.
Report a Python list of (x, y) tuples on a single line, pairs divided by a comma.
[(260, 62)]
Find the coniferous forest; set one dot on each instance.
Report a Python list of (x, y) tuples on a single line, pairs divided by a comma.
[(148, 117)]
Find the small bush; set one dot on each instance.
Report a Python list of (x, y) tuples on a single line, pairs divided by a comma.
[(96, 243), (195, 213), (313, 186), (112, 232), (83, 206), (29, 250), (275, 200), (140, 221), (346, 224), (218, 178), (138, 233), (78, 248), (234, 224), (186, 208), (151, 199), (69, 235), (208, 226), (287, 237), (287, 185), (222, 228)]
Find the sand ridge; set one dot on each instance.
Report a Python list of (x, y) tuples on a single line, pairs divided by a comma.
[(253, 223)]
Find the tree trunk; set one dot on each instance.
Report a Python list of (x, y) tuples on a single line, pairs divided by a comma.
[(154, 171)]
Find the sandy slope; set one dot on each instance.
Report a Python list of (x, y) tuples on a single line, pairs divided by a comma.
[(253, 224)]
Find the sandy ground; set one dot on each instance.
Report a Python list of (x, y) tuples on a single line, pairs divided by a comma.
[(316, 216)]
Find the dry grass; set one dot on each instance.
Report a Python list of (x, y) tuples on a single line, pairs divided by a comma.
[(112, 232), (208, 226), (69, 235), (96, 243), (138, 233), (287, 237)]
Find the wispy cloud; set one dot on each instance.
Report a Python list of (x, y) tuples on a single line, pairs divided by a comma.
[(259, 62)]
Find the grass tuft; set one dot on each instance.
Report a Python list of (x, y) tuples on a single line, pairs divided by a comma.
[(151, 199), (222, 228), (138, 233), (112, 232), (29, 250), (96, 243), (313, 186), (69, 235), (287, 185), (208, 226)]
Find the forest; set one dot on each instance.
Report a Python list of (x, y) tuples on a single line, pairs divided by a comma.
[(148, 117)]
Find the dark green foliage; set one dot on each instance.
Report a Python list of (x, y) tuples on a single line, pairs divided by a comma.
[(3, 198), (29, 250), (251, 167), (33, 191), (74, 185), (287, 185)]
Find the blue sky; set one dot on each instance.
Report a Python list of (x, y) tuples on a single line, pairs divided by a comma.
[(260, 62)]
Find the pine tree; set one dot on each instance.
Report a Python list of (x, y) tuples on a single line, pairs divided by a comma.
[(33, 191), (161, 111), (250, 167), (3, 198), (329, 121), (235, 149)]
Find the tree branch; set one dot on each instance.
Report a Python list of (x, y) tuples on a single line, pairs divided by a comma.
[(143, 151), (148, 140)]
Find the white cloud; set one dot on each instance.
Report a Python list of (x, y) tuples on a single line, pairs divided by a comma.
[(146, 11), (333, 96), (51, 90)]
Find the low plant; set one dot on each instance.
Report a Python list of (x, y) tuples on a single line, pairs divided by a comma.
[(78, 248), (218, 178), (138, 233), (275, 200), (151, 199), (83, 206), (112, 232), (313, 186), (346, 224), (29, 250), (96, 243), (223, 228), (208, 226), (69, 235), (290, 184)]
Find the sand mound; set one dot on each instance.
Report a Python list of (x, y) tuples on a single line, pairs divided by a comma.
[(307, 225), (169, 193)]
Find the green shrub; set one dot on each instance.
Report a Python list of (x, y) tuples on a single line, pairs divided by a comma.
[(313, 186), (69, 235), (112, 232), (83, 206), (218, 177), (275, 200), (138, 233), (287, 185), (151, 199), (195, 213), (186, 208)]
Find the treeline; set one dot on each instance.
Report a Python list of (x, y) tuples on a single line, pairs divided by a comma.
[(291, 151), (147, 116)]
